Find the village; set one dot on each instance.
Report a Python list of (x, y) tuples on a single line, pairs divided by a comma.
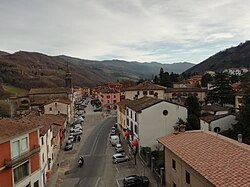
[(174, 134)]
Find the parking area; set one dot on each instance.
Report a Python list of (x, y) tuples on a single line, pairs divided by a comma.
[(128, 168)]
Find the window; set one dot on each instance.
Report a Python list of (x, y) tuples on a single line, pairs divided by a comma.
[(108, 96), (135, 117), (131, 114), (136, 129), (108, 101), (43, 157), (50, 108), (15, 149), (151, 92), (114, 101), (24, 145), (187, 177), (138, 92), (165, 112), (174, 185), (42, 141), (21, 172), (114, 96), (127, 112), (36, 184), (173, 164), (145, 92)]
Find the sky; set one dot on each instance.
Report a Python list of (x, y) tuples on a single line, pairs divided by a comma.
[(165, 31)]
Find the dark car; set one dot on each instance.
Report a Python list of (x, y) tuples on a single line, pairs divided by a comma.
[(136, 181), (68, 145)]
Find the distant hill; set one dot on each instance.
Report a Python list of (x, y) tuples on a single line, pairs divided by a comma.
[(32, 70), (125, 69), (234, 57)]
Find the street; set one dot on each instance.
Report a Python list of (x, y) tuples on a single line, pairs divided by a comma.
[(98, 169)]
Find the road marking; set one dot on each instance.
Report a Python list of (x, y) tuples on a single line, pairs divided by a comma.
[(117, 169), (97, 182)]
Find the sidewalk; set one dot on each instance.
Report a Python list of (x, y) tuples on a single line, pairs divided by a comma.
[(140, 166)]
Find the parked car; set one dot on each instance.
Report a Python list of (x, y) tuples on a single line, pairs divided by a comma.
[(97, 109), (76, 127), (68, 145), (136, 181), (120, 157), (75, 132), (114, 140), (71, 138), (119, 148)]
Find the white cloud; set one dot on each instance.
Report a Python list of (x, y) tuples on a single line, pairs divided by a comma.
[(144, 30)]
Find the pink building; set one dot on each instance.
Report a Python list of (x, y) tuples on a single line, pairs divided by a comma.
[(108, 98)]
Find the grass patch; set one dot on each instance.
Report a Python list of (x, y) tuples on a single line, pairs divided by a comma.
[(18, 92)]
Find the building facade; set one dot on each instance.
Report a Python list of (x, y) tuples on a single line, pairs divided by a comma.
[(149, 118), (205, 159), (144, 89), (19, 156)]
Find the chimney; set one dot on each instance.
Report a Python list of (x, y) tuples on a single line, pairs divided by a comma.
[(176, 129), (182, 127), (239, 138)]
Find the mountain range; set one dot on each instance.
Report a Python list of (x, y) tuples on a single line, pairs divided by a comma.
[(31, 69)]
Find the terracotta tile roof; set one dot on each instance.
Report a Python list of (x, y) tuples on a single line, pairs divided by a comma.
[(188, 89), (34, 91), (145, 86), (11, 127), (60, 100), (210, 118), (222, 161), (45, 120), (142, 103), (122, 103), (213, 108)]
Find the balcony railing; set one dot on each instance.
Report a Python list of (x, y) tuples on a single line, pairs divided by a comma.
[(22, 157)]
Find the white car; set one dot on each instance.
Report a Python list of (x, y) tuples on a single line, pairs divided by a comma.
[(75, 132), (119, 148), (76, 128), (119, 157)]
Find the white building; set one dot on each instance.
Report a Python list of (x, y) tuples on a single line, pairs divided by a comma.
[(60, 106), (144, 89), (149, 118), (217, 123), (235, 71)]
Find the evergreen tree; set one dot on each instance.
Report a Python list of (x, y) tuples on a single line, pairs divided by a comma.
[(156, 80), (243, 125), (207, 78), (221, 90), (193, 106)]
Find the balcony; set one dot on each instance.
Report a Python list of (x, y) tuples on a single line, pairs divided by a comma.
[(22, 157)]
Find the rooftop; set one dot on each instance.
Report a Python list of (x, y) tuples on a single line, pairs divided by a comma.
[(210, 118), (60, 100), (145, 102), (187, 89), (12, 127), (145, 86), (222, 161), (142, 103), (213, 108), (34, 91), (45, 120)]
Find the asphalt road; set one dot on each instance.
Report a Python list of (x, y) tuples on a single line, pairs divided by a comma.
[(95, 158)]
